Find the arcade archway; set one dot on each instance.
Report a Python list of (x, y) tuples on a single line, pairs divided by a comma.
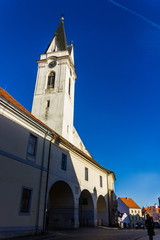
[(60, 210), (86, 209), (101, 211)]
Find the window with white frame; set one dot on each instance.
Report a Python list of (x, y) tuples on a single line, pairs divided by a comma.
[(32, 144)]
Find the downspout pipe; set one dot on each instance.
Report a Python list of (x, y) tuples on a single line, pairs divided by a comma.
[(46, 188), (40, 185), (109, 215)]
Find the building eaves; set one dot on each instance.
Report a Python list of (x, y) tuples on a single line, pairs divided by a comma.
[(110, 172), (59, 139), (129, 202)]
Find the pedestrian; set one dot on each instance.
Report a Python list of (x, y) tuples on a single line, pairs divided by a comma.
[(150, 227)]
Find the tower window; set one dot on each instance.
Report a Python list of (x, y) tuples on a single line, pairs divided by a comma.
[(48, 103), (51, 80), (69, 87)]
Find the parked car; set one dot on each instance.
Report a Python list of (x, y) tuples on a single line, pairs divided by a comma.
[(156, 224), (139, 225)]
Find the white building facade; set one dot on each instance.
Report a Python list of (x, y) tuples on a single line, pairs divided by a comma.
[(130, 214), (48, 178)]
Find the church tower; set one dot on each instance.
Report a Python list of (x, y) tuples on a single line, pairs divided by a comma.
[(53, 101)]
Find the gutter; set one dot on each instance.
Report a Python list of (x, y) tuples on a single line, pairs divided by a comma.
[(40, 185), (46, 188), (109, 215)]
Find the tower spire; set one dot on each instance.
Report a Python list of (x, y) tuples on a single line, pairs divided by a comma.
[(59, 40)]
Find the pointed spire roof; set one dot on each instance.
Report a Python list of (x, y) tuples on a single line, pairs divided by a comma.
[(60, 36)]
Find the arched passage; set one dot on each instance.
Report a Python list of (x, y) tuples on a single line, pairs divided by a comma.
[(86, 209), (101, 211), (60, 212)]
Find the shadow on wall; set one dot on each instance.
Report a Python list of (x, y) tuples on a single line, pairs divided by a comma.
[(101, 211), (60, 206), (62, 212), (113, 212), (67, 206), (86, 209)]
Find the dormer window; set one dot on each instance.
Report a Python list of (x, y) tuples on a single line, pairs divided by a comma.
[(51, 80)]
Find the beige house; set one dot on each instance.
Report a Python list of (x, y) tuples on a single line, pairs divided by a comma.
[(47, 177), (133, 214)]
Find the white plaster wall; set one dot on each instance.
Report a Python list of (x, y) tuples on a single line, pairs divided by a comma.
[(14, 140), (14, 175), (76, 171), (15, 134), (138, 211), (75, 176), (76, 163), (17, 171), (111, 182)]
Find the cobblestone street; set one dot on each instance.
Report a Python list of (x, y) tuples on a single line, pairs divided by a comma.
[(100, 233)]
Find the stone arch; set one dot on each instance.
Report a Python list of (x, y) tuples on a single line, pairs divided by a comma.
[(101, 211), (86, 209), (60, 209)]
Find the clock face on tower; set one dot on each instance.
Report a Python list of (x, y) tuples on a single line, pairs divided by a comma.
[(52, 64)]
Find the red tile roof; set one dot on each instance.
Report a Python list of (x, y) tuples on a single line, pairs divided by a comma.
[(129, 202), (152, 209), (11, 100)]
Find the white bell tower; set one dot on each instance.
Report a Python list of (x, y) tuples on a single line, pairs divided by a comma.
[(53, 101)]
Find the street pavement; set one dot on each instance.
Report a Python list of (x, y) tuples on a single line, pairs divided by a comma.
[(99, 233)]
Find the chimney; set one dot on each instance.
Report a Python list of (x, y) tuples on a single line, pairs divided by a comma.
[(155, 205)]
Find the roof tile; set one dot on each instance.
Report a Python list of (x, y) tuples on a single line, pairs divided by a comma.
[(129, 202)]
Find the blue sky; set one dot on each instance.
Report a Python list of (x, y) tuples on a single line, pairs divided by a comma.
[(117, 61)]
